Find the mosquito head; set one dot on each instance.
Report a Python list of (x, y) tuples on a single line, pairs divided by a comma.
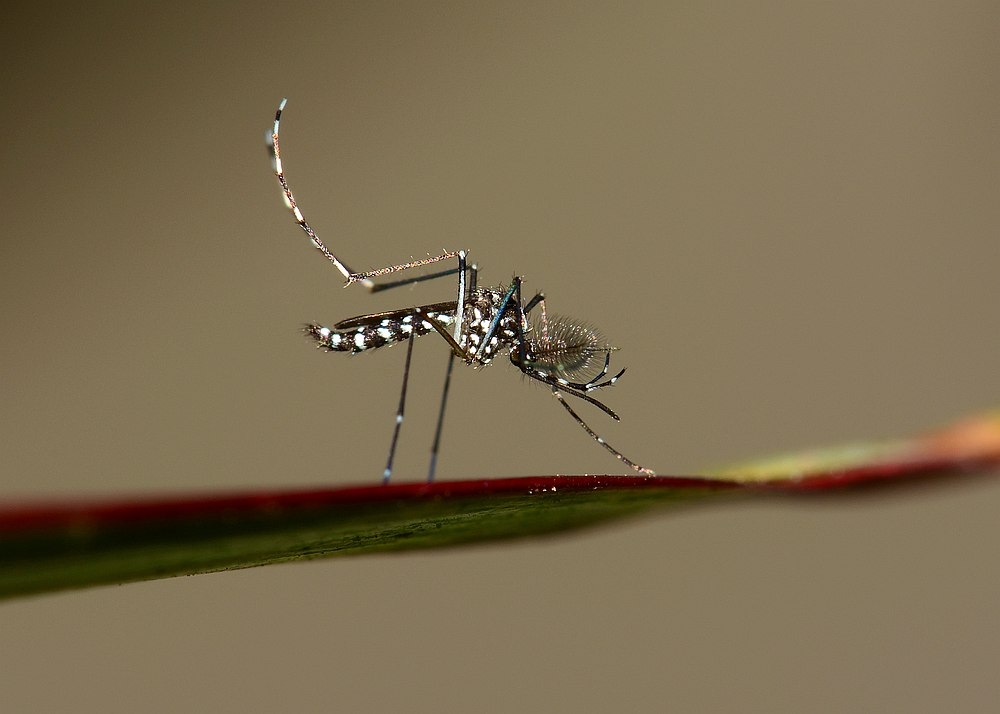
[(565, 347)]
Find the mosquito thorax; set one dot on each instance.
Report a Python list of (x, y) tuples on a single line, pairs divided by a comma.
[(480, 312)]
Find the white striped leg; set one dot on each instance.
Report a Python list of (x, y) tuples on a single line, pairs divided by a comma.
[(399, 412), (435, 447), (617, 454), (365, 279)]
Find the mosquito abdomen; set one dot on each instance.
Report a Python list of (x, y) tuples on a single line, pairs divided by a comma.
[(371, 336)]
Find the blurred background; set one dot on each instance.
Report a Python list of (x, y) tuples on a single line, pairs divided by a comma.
[(786, 216)]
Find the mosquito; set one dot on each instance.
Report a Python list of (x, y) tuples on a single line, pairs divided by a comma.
[(480, 324)]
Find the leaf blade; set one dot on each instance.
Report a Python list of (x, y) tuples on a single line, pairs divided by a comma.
[(69, 544)]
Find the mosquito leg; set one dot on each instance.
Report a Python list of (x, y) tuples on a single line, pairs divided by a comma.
[(543, 321), (456, 348), (464, 291), (275, 151), (399, 412), (595, 382), (539, 298), (514, 289), (440, 422), (556, 384), (460, 309), (576, 389), (473, 278), (274, 148), (617, 454), (366, 278), (379, 287)]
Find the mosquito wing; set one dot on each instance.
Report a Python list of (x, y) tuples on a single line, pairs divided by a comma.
[(437, 309)]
